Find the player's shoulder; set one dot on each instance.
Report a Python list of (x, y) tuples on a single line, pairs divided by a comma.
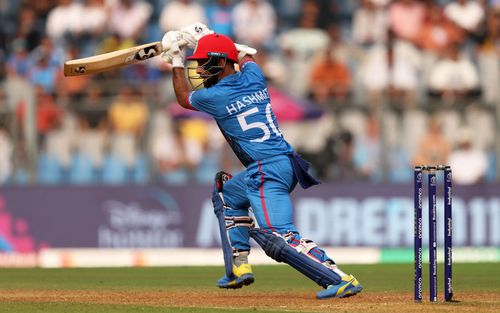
[(208, 99), (248, 63)]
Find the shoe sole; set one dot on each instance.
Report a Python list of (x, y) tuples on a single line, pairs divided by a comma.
[(349, 291), (244, 280)]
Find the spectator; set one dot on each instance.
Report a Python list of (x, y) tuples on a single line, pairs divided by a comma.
[(367, 151), (273, 68), (434, 148), (9, 17), (44, 74), (18, 63), (92, 111), (341, 49), (344, 168), (129, 18), (16, 86), (369, 25), (169, 154), (27, 28), (6, 153), (467, 14), (453, 76), (373, 74), (254, 23), (330, 78), (179, 13), (405, 64), (406, 18), (93, 128), (437, 32), (488, 56), (48, 114), (195, 132), (469, 163), (46, 47), (128, 113), (97, 15), (219, 19), (66, 19), (288, 12), (299, 46)]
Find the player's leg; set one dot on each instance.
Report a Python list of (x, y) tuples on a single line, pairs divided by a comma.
[(269, 185), (231, 208)]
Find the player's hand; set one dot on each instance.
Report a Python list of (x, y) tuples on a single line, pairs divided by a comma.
[(244, 50), (192, 33), (170, 38), (174, 56), (172, 49)]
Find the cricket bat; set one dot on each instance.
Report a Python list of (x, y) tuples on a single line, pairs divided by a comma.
[(112, 60)]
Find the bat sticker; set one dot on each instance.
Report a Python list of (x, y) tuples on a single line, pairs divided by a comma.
[(79, 69), (143, 54)]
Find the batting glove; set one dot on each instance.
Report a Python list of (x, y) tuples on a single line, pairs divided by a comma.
[(244, 50), (172, 52), (192, 33)]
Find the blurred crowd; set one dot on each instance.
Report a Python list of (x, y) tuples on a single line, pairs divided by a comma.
[(363, 89)]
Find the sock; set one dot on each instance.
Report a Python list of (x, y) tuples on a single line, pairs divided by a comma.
[(241, 258)]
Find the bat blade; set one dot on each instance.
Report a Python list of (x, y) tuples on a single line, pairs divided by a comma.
[(112, 60)]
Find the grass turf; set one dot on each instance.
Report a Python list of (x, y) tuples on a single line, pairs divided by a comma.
[(280, 281)]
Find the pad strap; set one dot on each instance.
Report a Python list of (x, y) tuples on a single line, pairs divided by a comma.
[(237, 221), (305, 245)]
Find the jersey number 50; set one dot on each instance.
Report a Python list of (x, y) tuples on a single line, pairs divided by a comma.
[(246, 126)]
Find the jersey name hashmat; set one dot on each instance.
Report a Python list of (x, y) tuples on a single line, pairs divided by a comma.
[(242, 102)]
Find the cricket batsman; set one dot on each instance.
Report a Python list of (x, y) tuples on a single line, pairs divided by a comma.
[(240, 104)]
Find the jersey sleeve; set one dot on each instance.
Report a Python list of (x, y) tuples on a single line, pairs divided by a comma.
[(203, 100), (253, 72)]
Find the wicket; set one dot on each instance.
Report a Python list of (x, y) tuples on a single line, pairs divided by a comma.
[(417, 245)]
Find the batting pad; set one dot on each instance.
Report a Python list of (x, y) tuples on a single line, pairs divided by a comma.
[(277, 248)]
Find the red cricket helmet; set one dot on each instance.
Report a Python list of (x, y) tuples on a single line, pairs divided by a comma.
[(213, 44)]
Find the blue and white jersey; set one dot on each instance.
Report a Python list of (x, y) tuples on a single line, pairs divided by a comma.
[(241, 106)]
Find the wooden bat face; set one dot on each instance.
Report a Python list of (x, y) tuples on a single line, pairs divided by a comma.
[(111, 60)]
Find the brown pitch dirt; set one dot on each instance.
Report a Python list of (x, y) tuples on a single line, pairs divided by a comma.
[(276, 301)]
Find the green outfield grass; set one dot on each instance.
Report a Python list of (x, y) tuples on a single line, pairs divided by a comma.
[(149, 289)]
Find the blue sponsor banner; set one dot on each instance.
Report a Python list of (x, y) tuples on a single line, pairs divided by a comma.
[(158, 216)]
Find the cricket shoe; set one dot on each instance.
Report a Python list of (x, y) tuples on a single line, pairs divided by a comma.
[(242, 276), (349, 286)]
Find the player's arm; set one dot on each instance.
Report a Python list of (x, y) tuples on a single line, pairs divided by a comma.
[(173, 42), (181, 87), (245, 54), (175, 56), (245, 59)]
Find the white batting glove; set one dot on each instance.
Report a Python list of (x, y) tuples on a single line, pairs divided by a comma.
[(244, 50), (172, 52), (169, 38), (192, 33), (176, 55)]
